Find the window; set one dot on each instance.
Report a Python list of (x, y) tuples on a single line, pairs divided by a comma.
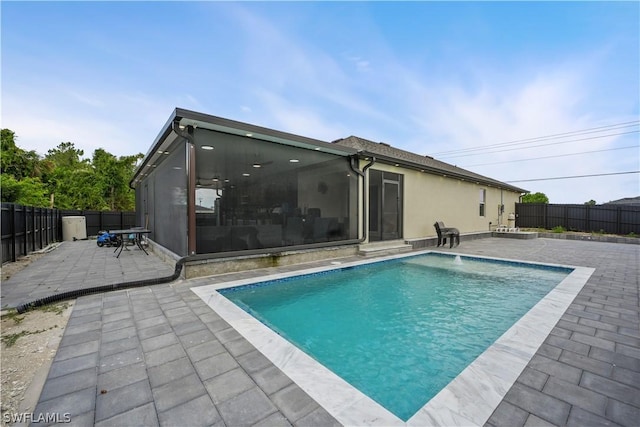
[(483, 196)]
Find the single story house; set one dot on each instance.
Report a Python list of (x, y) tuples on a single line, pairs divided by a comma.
[(214, 189)]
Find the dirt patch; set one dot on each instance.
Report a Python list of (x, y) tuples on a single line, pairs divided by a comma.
[(11, 268), (29, 343)]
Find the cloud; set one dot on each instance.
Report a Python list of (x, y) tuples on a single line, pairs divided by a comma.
[(552, 101), (360, 63), (122, 123), (294, 118)]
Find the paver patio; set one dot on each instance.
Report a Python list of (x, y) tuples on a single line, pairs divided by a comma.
[(160, 355)]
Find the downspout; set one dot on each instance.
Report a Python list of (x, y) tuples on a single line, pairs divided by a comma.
[(362, 173), (22, 308), (191, 184)]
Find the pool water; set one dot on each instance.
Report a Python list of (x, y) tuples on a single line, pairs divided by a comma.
[(400, 330)]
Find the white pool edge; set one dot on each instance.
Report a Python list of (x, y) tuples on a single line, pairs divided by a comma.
[(469, 399)]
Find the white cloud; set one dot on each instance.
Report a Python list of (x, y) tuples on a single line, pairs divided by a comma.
[(360, 63), (121, 123), (553, 102), (293, 118), (281, 77)]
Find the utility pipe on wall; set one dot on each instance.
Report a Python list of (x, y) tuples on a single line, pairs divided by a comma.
[(191, 183), (362, 173)]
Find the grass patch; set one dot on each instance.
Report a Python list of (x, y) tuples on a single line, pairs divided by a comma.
[(13, 315), (10, 339), (54, 308)]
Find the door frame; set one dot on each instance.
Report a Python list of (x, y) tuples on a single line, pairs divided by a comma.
[(378, 180)]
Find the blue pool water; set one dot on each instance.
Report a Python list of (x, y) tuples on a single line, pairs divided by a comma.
[(400, 330)]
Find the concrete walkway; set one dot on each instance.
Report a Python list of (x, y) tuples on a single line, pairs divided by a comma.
[(160, 355)]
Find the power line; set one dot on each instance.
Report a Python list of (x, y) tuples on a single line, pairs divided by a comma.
[(542, 138), (544, 145), (553, 157), (574, 176)]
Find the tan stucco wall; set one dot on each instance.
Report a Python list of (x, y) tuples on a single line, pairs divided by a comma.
[(429, 198)]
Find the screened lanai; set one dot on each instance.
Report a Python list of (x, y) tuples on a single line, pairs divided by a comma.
[(215, 186)]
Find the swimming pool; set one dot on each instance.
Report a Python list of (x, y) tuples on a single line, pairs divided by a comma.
[(405, 348)]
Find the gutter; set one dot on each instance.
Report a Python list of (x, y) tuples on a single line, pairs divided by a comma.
[(440, 172), (362, 173)]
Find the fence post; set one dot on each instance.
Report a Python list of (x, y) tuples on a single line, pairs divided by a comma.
[(45, 230), (14, 244), (33, 227), (618, 219), (26, 235), (40, 228), (49, 213)]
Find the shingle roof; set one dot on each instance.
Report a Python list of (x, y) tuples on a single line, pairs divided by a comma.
[(635, 201), (386, 152)]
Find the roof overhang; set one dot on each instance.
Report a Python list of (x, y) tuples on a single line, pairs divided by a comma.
[(184, 118), (436, 171)]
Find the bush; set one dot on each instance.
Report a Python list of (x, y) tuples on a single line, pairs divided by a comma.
[(558, 229)]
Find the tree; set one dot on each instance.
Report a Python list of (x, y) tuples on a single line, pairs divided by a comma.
[(590, 202), (100, 183), (16, 161), (28, 191), (535, 198), (113, 175), (72, 180), (66, 155)]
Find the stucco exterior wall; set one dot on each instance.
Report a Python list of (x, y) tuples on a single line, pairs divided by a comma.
[(428, 198)]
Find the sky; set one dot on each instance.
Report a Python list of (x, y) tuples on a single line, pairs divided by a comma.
[(516, 91)]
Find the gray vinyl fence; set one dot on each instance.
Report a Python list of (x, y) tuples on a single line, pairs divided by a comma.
[(612, 219), (26, 229)]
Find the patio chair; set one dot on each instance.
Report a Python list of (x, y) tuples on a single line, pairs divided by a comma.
[(446, 232)]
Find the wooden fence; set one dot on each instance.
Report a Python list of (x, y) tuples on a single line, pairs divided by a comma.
[(27, 229), (612, 219)]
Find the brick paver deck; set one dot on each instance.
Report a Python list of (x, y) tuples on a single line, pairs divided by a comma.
[(159, 355)]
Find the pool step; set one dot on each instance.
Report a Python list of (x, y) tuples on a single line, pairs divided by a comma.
[(384, 248)]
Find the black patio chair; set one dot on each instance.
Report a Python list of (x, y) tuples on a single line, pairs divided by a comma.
[(447, 232)]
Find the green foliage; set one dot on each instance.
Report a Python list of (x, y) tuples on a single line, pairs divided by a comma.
[(632, 234), (66, 156), (13, 315), (10, 339), (28, 191), (100, 183), (16, 161), (54, 308), (535, 198), (558, 229), (590, 202), (115, 174)]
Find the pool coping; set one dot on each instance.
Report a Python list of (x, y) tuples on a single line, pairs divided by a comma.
[(469, 399)]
